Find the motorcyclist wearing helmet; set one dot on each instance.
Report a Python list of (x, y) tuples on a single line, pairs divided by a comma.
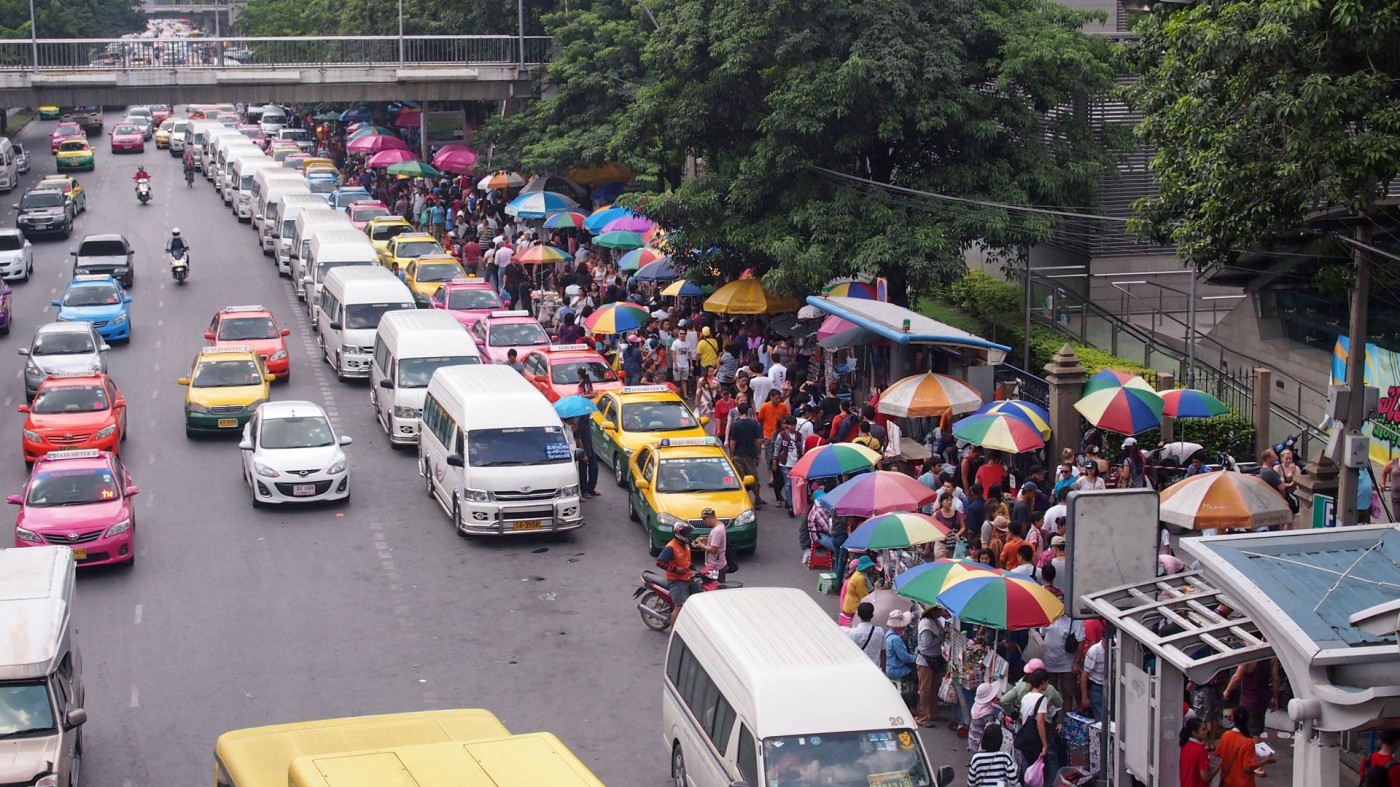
[(681, 579), (141, 173), (176, 242)]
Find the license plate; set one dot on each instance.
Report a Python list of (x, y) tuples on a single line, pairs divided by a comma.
[(303, 490), (228, 423), (526, 524), (80, 554)]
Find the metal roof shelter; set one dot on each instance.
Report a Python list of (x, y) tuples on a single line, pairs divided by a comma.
[(888, 321)]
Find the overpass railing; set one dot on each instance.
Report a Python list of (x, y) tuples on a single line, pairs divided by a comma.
[(154, 54)]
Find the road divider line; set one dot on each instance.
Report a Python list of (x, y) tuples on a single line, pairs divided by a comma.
[(135, 697), (138, 614)]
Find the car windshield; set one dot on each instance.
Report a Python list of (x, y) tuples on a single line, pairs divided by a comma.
[(367, 213), (226, 374), (126, 130), (237, 329), (416, 372), (473, 299), (245, 183), (25, 709), (62, 344), (517, 334), (696, 474), (321, 185), (361, 316), (72, 487), (311, 431), (102, 248), (289, 227), (846, 759), (92, 295), (344, 198), (251, 133), (387, 231), (411, 249), (42, 199), (566, 372), (10, 242), (72, 145), (70, 399), (535, 445), (327, 267), (656, 417), (167, 125), (438, 271), (67, 129), (293, 134)]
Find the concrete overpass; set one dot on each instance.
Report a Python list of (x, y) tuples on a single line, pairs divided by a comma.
[(76, 72), (203, 11)]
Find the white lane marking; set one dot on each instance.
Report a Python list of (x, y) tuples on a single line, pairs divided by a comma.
[(161, 304), (9, 400), (159, 323), (155, 392), (158, 341), (135, 697), (151, 459), (53, 291), (138, 614), (156, 366)]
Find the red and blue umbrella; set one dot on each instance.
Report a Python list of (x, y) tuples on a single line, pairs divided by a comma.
[(636, 258), (1010, 602), (834, 459), (1190, 403), (925, 581), (569, 219), (616, 318), (1032, 414), (999, 432), (1111, 378), (1125, 410)]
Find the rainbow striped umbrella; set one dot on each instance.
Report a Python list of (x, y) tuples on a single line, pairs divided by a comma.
[(683, 289), (929, 395), (852, 289), (925, 581), (569, 219), (999, 432), (1029, 412), (1109, 378), (1126, 410), (878, 492), (899, 530), (1009, 602), (834, 459), (619, 239), (617, 318), (542, 255), (636, 258), (600, 218), (1190, 403)]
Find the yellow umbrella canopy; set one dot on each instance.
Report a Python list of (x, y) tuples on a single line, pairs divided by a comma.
[(747, 296)]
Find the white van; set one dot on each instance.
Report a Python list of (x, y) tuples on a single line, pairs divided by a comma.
[(225, 153), (210, 150), (40, 668), (348, 312), (273, 119), (495, 455), (245, 165), (198, 138), (293, 205), (9, 165), (263, 182), (308, 222), (738, 701), (409, 347), (332, 249)]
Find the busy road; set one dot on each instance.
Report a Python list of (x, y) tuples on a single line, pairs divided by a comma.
[(233, 617)]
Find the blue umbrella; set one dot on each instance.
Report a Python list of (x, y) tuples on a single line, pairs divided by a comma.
[(599, 220), (574, 407), (538, 204), (661, 270)]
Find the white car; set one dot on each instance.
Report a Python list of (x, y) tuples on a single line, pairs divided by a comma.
[(291, 454), (16, 255), (21, 159)]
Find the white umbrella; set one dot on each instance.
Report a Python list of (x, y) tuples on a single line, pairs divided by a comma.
[(1222, 500)]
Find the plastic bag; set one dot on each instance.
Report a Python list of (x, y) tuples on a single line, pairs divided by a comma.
[(1035, 775)]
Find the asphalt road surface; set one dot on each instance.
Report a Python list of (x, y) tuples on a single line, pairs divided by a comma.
[(234, 617)]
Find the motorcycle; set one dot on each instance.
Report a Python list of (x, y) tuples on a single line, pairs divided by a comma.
[(189, 177), (179, 264), (143, 190), (654, 599)]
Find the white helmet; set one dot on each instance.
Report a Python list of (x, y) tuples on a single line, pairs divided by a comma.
[(175, 233)]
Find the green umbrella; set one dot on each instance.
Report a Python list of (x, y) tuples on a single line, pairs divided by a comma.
[(324, 116), (413, 169), (620, 239)]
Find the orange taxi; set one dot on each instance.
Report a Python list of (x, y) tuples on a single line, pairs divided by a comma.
[(554, 370), (74, 410), (255, 328)]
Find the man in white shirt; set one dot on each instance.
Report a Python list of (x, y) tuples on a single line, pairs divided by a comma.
[(1054, 514), (680, 363), (1092, 679), (760, 385), (805, 427), (1057, 543), (777, 372), (503, 255), (867, 636)]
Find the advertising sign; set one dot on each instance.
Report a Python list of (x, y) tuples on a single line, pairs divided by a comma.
[(445, 127), (1383, 374)]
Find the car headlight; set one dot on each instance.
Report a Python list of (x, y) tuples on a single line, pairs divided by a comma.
[(265, 471), (119, 319), (476, 495), (669, 520), (338, 467), (195, 407), (745, 518), (28, 535), (118, 528), (47, 781), (569, 491), (407, 412), (32, 370), (33, 437), (277, 356), (106, 431)]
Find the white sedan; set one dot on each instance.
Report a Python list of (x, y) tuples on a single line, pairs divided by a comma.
[(291, 454), (16, 255)]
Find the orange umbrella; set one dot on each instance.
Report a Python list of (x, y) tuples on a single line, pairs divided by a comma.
[(929, 395), (1223, 500)]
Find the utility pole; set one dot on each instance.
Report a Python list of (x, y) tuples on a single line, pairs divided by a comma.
[(1359, 329), (520, 15), (1191, 329), (34, 35), (400, 33), (1026, 345)]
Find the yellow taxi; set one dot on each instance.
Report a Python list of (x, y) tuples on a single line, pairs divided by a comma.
[(675, 479), (382, 229), (319, 163), (427, 273), (50, 113), (636, 416), (225, 386), (70, 187), (75, 154), (407, 247), (162, 136)]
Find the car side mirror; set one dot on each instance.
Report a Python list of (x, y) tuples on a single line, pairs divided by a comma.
[(119, 403), (23, 408), (184, 381), (132, 490), (750, 481), (13, 500), (333, 325), (209, 335), (72, 252), (54, 302), (642, 483), (286, 331), (609, 426), (104, 347), (386, 383), (24, 351), (16, 206), (346, 440), (306, 280), (126, 299), (267, 378), (944, 777), (76, 717), (704, 419), (455, 460), (246, 445)]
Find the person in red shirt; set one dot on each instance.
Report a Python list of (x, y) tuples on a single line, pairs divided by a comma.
[(1384, 757), (993, 473), (1195, 765)]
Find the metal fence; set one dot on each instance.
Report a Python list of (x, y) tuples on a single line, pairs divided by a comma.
[(1029, 386), (263, 52)]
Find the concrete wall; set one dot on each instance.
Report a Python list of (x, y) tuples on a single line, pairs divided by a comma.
[(1107, 7), (1240, 338)]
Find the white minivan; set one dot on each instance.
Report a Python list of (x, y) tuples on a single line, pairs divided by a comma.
[(331, 249), (293, 205), (737, 702), (307, 223), (197, 135), (495, 455), (409, 347), (9, 165), (268, 186), (245, 166), (348, 311), (209, 152), (225, 152)]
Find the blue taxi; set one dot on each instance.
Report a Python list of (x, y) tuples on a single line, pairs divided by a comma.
[(98, 299)]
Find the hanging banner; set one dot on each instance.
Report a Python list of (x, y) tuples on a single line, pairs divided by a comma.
[(1383, 374)]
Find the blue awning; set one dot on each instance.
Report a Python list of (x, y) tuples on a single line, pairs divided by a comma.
[(887, 321)]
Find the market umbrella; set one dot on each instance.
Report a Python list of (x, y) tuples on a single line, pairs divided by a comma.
[(619, 239), (636, 258), (1223, 500), (1109, 378), (999, 432), (898, 530), (616, 318), (747, 296), (683, 289), (575, 406), (538, 204), (501, 180), (878, 492), (408, 117), (630, 223), (834, 459), (1179, 452), (602, 216), (839, 332), (543, 255), (1126, 410), (885, 601), (1029, 412), (373, 143), (929, 395), (655, 234), (658, 270), (369, 130), (326, 117), (925, 581), (456, 158), (1190, 403), (1009, 602), (413, 169), (568, 219), (384, 158), (851, 289)]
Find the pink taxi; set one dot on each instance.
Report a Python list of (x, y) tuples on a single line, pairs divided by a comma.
[(498, 333), (64, 131), (468, 298), (363, 211), (81, 500)]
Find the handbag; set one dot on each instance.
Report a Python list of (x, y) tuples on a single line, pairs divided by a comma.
[(1035, 645), (946, 693), (1034, 775), (1028, 734)]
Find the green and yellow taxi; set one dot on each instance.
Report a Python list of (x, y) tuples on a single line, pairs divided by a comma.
[(382, 229), (50, 113), (407, 247), (427, 273), (636, 416), (75, 154), (675, 479), (225, 386)]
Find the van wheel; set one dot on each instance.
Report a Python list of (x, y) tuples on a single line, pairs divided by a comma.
[(678, 767), (339, 374), (619, 470), (321, 343), (457, 516), (427, 477)]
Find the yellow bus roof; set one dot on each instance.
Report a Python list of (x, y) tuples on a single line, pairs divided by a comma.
[(530, 760), (260, 756)]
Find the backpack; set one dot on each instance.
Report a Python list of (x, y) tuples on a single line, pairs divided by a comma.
[(1071, 642), (1393, 763)]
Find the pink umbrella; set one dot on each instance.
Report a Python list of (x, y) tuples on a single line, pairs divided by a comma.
[(408, 118), (384, 158), (878, 492), (637, 224), (833, 326), (455, 158), (373, 143)]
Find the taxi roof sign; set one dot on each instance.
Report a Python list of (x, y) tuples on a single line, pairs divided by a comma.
[(562, 347), (77, 453), (673, 442), (249, 308), (511, 313), (647, 389), (71, 375), (467, 280), (224, 348), (93, 277)]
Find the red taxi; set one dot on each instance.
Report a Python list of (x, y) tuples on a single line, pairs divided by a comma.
[(255, 328), (554, 370), (498, 333), (468, 298), (65, 130), (74, 410), (361, 212)]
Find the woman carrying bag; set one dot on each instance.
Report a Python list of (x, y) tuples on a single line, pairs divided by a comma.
[(1033, 736)]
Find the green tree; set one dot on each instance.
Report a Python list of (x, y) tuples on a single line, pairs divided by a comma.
[(71, 18), (381, 17)]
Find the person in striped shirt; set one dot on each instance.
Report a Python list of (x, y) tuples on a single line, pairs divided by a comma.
[(992, 767)]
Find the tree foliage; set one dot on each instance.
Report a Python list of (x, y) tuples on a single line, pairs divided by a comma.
[(381, 17), (71, 18), (1263, 111)]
